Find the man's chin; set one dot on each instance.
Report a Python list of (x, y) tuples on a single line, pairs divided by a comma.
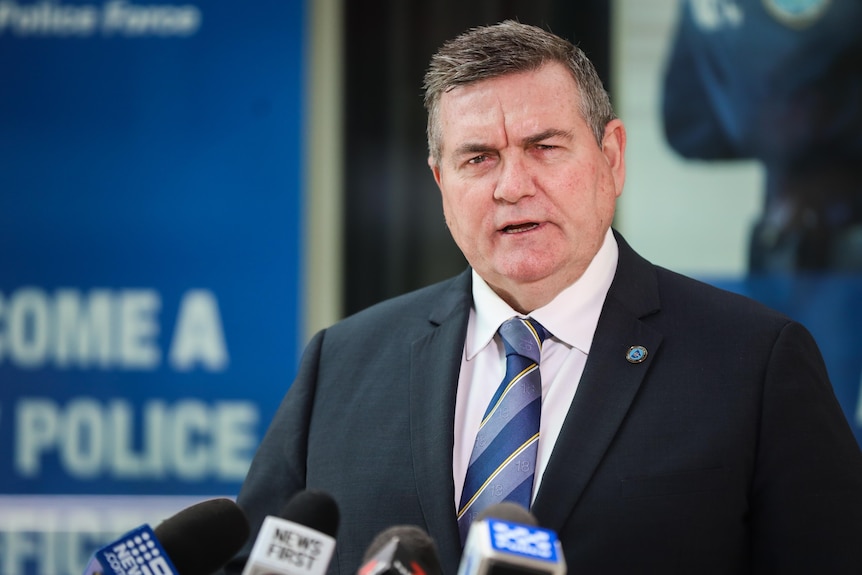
[(527, 270), (525, 276)]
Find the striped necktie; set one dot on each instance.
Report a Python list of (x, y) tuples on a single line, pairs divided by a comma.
[(502, 465)]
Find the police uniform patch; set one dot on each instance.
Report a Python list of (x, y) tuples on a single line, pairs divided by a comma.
[(796, 13)]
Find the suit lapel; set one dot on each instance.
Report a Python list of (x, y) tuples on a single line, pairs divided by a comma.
[(435, 364), (606, 391)]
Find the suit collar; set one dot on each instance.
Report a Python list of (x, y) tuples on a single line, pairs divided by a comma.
[(455, 301), (635, 284), (435, 363)]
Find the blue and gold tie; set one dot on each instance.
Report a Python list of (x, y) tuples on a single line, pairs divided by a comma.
[(502, 465)]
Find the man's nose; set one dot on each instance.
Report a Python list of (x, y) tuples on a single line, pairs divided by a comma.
[(515, 181)]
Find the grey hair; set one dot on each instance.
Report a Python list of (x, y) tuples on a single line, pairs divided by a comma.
[(505, 48)]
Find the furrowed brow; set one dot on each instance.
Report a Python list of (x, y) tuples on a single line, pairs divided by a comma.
[(472, 148), (546, 135)]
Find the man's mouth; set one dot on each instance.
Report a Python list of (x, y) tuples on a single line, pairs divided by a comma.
[(519, 228)]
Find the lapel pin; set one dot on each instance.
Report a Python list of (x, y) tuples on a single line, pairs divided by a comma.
[(636, 354)]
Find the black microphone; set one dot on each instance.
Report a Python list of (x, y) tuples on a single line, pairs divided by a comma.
[(509, 511), (300, 541), (196, 541), (506, 540), (401, 550)]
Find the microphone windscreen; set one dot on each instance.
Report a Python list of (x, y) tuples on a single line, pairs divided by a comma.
[(508, 511), (200, 539), (413, 541), (315, 509)]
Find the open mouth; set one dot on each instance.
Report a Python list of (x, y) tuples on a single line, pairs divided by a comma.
[(520, 228)]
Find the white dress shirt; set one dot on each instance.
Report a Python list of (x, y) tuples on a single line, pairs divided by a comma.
[(571, 317)]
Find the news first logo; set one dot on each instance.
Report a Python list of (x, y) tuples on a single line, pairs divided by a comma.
[(294, 548), (286, 547), (533, 542), (137, 553)]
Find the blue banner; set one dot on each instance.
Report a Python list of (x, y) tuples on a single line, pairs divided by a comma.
[(150, 241)]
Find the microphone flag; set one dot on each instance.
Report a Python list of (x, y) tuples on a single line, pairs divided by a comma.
[(496, 547), (287, 547), (137, 552)]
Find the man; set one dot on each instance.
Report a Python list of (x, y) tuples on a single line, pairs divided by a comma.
[(683, 429)]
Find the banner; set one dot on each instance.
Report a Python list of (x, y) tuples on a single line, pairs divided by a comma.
[(150, 225)]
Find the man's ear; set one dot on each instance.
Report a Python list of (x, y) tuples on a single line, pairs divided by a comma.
[(435, 169), (614, 150)]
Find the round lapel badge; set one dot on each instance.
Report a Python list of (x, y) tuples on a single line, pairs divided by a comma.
[(636, 354)]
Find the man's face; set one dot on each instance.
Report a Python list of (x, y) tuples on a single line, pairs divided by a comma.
[(528, 194)]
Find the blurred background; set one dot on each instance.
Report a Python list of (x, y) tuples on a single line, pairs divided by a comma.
[(188, 191)]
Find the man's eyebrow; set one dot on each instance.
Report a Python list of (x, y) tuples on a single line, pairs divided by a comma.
[(472, 148), (547, 134), (478, 147)]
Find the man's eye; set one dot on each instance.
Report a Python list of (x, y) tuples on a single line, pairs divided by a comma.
[(478, 159)]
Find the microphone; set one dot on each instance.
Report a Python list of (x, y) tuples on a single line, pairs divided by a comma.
[(509, 511), (196, 541), (301, 541), (401, 550), (506, 540)]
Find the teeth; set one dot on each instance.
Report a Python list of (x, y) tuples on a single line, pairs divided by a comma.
[(519, 228)]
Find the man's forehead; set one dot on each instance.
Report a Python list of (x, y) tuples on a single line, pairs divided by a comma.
[(550, 69), (520, 105), (515, 89)]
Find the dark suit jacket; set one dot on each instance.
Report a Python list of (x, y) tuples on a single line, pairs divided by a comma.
[(725, 451)]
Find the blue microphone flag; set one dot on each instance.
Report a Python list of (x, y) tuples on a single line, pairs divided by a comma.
[(523, 540), (138, 552)]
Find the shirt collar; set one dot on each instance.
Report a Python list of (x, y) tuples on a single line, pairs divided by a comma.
[(572, 316)]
